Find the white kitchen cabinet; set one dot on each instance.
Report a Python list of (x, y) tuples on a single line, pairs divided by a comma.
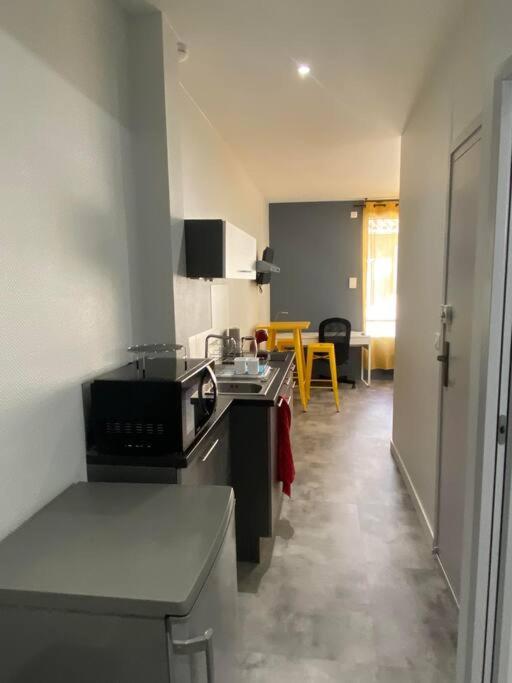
[(241, 254), (218, 249)]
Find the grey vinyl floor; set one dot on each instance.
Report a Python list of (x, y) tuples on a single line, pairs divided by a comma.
[(349, 591)]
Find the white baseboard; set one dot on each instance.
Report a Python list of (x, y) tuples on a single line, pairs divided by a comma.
[(448, 583), (425, 522)]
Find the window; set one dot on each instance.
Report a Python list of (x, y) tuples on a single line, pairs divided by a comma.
[(381, 269), (380, 252)]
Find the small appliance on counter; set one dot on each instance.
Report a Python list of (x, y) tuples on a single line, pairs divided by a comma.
[(150, 413)]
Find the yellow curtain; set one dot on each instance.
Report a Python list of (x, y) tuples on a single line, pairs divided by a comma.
[(380, 250)]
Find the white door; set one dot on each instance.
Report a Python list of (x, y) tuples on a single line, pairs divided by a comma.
[(498, 617), (455, 357)]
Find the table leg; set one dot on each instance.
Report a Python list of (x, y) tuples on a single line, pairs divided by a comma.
[(299, 358), (369, 364), (309, 371), (368, 379)]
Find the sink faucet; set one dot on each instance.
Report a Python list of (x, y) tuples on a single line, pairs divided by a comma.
[(225, 341)]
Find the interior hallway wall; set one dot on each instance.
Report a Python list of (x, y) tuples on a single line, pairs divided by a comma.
[(78, 118), (152, 268), (451, 99), (423, 206), (215, 185), (67, 215), (460, 90), (184, 169)]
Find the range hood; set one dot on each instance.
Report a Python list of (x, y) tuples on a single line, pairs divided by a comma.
[(266, 267)]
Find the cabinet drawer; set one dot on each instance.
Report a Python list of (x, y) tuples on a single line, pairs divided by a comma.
[(211, 465)]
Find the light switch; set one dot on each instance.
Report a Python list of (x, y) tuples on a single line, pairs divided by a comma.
[(352, 283), (353, 214)]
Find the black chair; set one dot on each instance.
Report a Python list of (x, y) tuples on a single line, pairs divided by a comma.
[(337, 331)]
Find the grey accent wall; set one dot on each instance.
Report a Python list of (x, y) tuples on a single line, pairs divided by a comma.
[(318, 247)]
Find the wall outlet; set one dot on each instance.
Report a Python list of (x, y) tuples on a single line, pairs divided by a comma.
[(354, 214), (352, 283)]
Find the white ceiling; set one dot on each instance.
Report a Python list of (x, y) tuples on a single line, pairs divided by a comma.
[(336, 134)]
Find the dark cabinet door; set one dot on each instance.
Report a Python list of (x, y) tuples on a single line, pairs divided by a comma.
[(211, 465), (254, 450)]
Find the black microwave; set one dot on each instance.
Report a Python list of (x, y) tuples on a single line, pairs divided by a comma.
[(153, 411)]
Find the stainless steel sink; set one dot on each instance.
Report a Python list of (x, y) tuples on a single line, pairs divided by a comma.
[(239, 387)]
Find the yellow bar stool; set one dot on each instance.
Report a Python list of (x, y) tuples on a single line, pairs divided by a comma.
[(296, 328), (323, 351)]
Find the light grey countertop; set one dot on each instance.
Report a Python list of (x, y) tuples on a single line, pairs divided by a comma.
[(126, 549)]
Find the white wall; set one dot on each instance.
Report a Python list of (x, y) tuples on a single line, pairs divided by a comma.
[(459, 89), (152, 262), (72, 274), (424, 178), (450, 101), (65, 195), (216, 186)]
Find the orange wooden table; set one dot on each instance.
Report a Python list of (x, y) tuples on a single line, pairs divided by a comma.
[(296, 328)]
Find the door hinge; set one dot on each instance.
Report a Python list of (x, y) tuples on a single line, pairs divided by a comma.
[(502, 429)]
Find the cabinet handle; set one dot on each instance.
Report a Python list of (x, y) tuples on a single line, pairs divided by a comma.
[(192, 646), (288, 400), (210, 450)]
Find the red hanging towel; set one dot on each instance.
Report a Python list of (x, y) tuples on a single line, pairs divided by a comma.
[(285, 466)]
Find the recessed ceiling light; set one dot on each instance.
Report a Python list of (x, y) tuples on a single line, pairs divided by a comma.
[(303, 70)]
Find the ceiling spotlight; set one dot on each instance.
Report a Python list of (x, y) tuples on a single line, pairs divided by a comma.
[(303, 70)]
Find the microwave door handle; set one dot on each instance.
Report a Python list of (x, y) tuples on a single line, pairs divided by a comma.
[(213, 379), (196, 645), (210, 451), (210, 375)]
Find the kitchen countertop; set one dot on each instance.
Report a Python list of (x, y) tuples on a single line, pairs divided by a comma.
[(128, 549), (281, 361)]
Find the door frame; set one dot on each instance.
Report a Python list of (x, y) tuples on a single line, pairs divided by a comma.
[(499, 659), (481, 626), (456, 151)]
